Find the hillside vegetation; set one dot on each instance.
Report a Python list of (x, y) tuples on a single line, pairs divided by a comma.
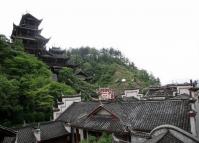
[(28, 93), (107, 68)]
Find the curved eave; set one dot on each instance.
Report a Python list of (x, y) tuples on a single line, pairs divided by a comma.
[(13, 31), (26, 38), (7, 131), (21, 27), (30, 17), (14, 25), (177, 129), (53, 57), (39, 21), (48, 39), (39, 31)]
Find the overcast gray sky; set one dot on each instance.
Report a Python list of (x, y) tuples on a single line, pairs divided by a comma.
[(159, 36)]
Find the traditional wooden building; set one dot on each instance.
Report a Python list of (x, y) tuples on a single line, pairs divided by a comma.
[(130, 121), (183, 88), (34, 43), (55, 58), (7, 135), (160, 93), (45, 132), (140, 121), (28, 32), (66, 102), (170, 91), (165, 134)]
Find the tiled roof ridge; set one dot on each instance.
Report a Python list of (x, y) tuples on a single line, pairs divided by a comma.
[(26, 27), (101, 105), (57, 119), (8, 129), (140, 101), (45, 131), (160, 137), (140, 134), (127, 120), (49, 122), (35, 124), (73, 104), (23, 127), (124, 102), (176, 129), (156, 100), (28, 14), (125, 126)]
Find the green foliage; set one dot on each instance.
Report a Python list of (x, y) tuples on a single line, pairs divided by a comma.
[(27, 91), (107, 67), (105, 138), (67, 76)]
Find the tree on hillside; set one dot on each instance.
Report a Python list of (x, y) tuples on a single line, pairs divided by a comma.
[(108, 65), (27, 91), (67, 76)]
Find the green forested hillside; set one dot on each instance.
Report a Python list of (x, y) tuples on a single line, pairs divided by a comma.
[(107, 68), (28, 93)]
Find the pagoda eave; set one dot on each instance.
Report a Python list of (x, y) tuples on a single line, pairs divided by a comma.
[(22, 37), (28, 28)]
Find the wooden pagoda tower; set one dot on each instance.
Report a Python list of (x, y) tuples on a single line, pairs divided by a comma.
[(34, 43), (28, 32)]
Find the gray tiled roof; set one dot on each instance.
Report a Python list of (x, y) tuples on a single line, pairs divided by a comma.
[(161, 91), (9, 140), (169, 138), (7, 132), (164, 138), (7, 135), (138, 115), (165, 134), (49, 130), (26, 135), (100, 123), (52, 129), (77, 110), (171, 134), (148, 115)]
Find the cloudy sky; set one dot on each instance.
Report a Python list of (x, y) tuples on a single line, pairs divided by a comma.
[(159, 36)]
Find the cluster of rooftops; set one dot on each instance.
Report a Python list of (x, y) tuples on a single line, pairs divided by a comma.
[(141, 121)]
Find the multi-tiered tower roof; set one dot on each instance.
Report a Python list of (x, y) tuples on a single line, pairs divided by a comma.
[(34, 43), (30, 34)]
